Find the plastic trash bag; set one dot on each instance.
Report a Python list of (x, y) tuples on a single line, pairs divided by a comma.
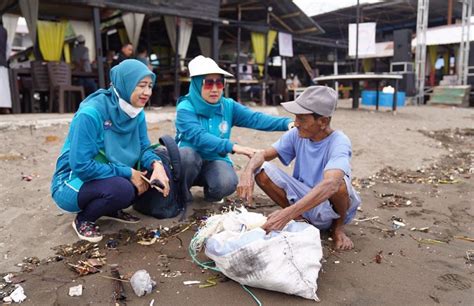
[(142, 283), (287, 261)]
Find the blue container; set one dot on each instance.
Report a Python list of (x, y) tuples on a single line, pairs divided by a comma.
[(385, 99)]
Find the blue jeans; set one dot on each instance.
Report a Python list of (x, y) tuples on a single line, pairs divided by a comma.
[(217, 176)]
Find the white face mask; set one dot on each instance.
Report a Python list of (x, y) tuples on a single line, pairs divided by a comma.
[(129, 109)]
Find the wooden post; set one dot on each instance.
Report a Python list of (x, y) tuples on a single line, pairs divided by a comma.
[(265, 78), (177, 65), (237, 73), (98, 47), (215, 41)]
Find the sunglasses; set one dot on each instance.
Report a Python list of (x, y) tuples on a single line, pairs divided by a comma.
[(208, 84)]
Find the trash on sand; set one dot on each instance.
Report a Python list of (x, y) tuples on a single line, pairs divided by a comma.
[(427, 241), (111, 243), (89, 266), (421, 229), (172, 274), (26, 178), (378, 258), (366, 219), (8, 278), (397, 224), (191, 282), (17, 296), (470, 256), (337, 261), (51, 138), (210, 282), (142, 283), (75, 291), (464, 238), (119, 290)]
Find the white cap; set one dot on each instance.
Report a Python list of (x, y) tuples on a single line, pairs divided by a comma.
[(201, 65), (80, 38)]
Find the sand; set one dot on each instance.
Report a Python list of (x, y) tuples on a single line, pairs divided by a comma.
[(416, 268)]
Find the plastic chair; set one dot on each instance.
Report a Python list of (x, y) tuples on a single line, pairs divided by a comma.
[(280, 92), (60, 80), (38, 83)]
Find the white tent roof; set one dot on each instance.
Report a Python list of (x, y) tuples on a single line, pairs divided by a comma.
[(443, 35)]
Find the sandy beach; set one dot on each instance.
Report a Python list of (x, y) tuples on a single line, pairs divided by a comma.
[(415, 166)]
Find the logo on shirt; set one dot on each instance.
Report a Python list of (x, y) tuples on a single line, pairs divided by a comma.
[(107, 124), (223, 127)]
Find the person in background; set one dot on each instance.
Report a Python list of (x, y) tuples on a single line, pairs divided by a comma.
[(81, 61), (5, 98), (204, 120), (126, 52), (142, 56), (95, 174)]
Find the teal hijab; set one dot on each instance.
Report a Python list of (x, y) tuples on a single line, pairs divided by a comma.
[(201, 106), (121, 135)]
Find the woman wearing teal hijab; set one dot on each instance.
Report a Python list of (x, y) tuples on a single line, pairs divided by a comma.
[(204, 119), (95, 175)]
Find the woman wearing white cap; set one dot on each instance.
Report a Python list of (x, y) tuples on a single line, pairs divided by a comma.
[(203, 123)]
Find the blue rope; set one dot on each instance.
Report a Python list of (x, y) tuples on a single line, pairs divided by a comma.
[(252, 295)]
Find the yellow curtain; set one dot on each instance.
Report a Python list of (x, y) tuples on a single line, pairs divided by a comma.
[(258, 46), (51, 39), (367, 64), (67, 53), (446, 62), (433, 54), (123, 36)]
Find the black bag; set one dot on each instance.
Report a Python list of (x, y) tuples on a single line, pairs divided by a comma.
[(152, 202)]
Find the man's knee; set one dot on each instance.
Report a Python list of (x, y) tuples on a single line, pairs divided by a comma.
[(341, 197)]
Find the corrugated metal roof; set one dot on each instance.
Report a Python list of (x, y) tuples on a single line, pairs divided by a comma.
[(81, 9)]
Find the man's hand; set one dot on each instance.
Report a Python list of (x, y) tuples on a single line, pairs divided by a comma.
[(138, 182), (159, 173), (245, 186), (278, 219), (247, 180), (249, 152)]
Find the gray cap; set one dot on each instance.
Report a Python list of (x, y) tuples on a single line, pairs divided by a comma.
[(320, 100)]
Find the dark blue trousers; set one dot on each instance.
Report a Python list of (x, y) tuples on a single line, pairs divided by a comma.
[(104, 197)]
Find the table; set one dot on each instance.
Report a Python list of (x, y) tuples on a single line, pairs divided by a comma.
[(26, 72), (364, 77)]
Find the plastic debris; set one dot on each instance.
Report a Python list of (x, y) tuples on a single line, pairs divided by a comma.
[(378, 258), (17, 296), (421, 229), (470, 256), (119, 290), (8, 278), (27, 178), (210, 282), (75, 291), (191, 282), (142, 283)]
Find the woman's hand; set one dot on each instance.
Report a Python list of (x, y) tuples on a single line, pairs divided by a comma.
[(138, 182), (159, 173), (249, 152)]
